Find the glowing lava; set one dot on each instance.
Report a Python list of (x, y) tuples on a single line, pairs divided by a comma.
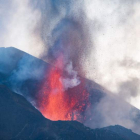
[(56, 103)]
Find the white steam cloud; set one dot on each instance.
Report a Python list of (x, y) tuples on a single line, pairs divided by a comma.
[(73, 79)]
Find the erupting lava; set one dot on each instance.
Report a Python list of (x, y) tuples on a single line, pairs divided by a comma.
[(58, 103)]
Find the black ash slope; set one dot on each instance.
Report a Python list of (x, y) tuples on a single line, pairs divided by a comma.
[(20, 120)]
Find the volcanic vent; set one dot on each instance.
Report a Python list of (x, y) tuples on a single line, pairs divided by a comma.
[(63, 94)]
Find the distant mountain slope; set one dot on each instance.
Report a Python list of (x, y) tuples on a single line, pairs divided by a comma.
[(20, 120), (24, 74), (9, 58), (127, 133)]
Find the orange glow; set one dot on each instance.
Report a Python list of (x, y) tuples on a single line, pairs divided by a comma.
[(57, 104)]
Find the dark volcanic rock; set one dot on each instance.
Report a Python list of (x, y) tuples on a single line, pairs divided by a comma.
[(127, 133), (19, 120), (18, 117)]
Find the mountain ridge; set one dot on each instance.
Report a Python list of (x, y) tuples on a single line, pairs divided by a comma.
[(20, 120)]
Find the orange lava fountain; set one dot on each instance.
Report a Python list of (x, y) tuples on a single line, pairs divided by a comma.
[(56, 103)]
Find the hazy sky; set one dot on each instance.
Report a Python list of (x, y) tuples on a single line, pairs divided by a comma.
[(116, 31), (114, 59)]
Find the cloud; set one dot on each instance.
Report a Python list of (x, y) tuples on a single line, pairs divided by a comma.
[(129, 63), (129, 88), (19, 22), (115, 33)]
